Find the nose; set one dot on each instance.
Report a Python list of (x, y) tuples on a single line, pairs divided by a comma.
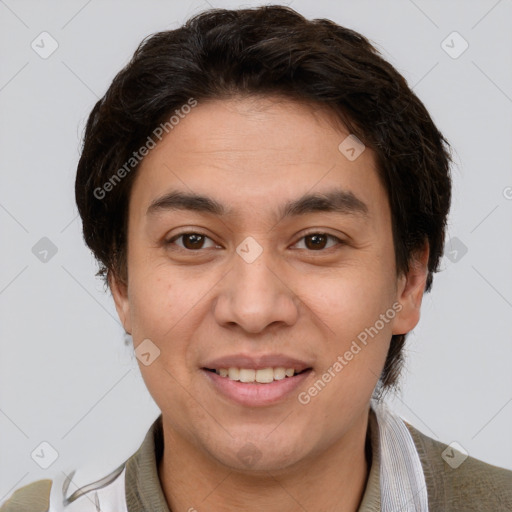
[(255, 296)]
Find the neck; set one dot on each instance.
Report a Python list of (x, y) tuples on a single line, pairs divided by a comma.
[(332, 481)]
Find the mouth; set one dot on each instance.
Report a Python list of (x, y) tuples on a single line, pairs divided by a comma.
[(257, 376), (251, 387)]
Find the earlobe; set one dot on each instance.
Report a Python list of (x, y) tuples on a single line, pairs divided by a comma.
[(119, 290), (411, 287)]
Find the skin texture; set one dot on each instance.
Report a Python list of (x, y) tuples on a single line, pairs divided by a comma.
[(252, 155)]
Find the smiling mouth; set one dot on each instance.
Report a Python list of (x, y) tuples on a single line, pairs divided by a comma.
[(260, 376)]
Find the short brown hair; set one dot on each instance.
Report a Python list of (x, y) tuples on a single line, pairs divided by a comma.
[(270, 50)]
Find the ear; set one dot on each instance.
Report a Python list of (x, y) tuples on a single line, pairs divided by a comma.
[(119, 290), (410, 289)]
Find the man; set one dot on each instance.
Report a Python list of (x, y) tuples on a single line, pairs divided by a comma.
[(267, 200)]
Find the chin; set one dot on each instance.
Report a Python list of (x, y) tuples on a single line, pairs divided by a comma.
[(254, 456)]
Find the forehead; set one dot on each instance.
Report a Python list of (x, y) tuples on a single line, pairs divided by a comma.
[(253, 152)]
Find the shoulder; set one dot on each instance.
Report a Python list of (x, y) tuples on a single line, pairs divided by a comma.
[(58, 495), (34, 497), (457, 482)]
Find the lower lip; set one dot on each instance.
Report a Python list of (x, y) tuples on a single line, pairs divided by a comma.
[(256, 394)]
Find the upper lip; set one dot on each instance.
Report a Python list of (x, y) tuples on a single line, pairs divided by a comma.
[(257, 362)]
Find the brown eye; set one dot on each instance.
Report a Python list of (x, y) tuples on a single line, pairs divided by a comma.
[(191, 241), (318, 241)]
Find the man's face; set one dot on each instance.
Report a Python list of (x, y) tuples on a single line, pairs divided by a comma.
[(262, 280)]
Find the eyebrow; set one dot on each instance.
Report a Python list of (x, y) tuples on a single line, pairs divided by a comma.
[(337, 200)]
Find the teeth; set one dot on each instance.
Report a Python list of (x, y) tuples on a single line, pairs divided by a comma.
[(233, 373), (279, 373), (263, 376), (246, 375)]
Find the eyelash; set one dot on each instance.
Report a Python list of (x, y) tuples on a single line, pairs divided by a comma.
[(180, 235)]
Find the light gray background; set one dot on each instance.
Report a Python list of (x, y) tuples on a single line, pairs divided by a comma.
[(66, 376)]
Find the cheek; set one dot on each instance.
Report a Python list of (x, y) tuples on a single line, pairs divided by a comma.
[(168, 307), (162, 308), (160, 298), (356, 344), (152, 307), (357, 339), (348, 300)]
